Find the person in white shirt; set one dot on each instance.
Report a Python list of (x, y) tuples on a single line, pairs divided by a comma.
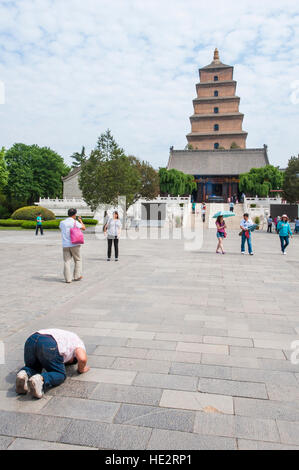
[(70, 250), (49, 350), (112, 229), (246, 222)]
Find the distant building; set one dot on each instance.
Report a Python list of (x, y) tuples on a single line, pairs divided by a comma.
[(217, 153)]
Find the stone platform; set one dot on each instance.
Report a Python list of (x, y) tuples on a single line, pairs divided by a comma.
[(188, 350)]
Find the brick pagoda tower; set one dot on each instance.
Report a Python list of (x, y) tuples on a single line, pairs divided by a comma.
[(216, 122)]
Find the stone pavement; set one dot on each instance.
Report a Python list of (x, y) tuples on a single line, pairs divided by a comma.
[(187, 350)]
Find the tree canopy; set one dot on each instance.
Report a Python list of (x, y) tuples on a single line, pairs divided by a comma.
[(78, 158), (34, 172), (291, 180), (260, 181), (3, 169), (108, 174), (176, 183)]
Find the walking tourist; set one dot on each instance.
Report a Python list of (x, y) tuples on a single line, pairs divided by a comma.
[(71, 246), (231, 206), (221, 233), (49, 350), (113, 228), (39, 224), (284, 232), (297, 225), (270, 222), (203, 212), (246, 223), (193, 207)]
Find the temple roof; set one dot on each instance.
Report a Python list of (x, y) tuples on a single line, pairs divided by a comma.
[(217, 162)]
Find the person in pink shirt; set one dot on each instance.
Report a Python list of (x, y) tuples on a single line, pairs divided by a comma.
[(221, 233), (46, 353)]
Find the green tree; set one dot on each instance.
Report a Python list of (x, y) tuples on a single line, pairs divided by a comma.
[(175, 182), (149, 178), (291, 180), (34, 172), (108, 174), (78, 158), (260, 181), (3, 169)]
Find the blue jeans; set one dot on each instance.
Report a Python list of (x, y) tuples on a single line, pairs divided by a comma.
[(284, 242), (248, 242), (41, 352)]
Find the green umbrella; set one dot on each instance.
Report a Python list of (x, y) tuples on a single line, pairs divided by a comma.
[(224, 214)]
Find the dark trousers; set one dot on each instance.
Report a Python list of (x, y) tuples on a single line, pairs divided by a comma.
[(284, 243), (115, 242), (41, 230), (41, 352), (269, 230)]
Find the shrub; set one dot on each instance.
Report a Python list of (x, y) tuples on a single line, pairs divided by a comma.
[(90, 221), (30, 213), (50, 224), (4, 212), (252, 206), (257, 220), (10, 223)]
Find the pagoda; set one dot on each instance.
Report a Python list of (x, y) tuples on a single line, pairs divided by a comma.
[(216, 122), (216, 154)]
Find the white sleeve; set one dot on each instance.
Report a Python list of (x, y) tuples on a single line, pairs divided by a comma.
[(78, 225)]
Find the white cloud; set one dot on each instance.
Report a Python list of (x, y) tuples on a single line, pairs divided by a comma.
[(72, 69)]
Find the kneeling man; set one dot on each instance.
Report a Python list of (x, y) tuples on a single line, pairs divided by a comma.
[(49, 350)]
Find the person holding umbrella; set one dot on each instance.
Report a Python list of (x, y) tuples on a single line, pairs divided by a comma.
[(246, 224), (284, 231), (221, 233)]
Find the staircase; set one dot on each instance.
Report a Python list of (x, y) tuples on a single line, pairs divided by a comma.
[(232, 223)]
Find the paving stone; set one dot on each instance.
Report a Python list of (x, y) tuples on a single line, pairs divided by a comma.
[(281, 392), (256, 352), (267, 409), (244, 444), (115, 351), (196, 401), (31, 444), (73, 388), (148, 344), (155, 417), (174, 382), (278, 365), (10, 401), (289, 432), (179, 337), (228, 341), (127, 394), (5, 442), (233, 388), (100, 361), (201, 370), (264, 376), (229, 361), (176, 356), (173, 440), (159, 367), (116, 325), (236, 426), (79, 408), (106, 436), (203, 348), (106, 341), (32, 426), (108, 376)]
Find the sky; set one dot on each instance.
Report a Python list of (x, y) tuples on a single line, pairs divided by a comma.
[(70, 69)]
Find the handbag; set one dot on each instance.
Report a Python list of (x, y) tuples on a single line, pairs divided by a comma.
[(224, 234), (76, 235)]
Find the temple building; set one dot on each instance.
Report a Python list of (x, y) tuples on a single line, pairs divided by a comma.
[(216, 153)]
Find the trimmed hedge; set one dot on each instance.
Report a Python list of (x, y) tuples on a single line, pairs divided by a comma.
[(31, 212), (90, 221), (50, 224), (10, 223)]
